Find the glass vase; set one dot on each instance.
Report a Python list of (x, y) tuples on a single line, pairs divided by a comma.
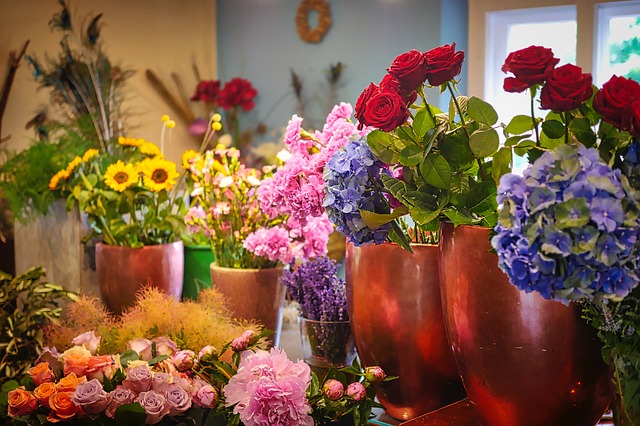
[(326, 344)]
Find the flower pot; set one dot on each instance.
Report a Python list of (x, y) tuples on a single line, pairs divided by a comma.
[(326, 344), (197, 272), (524, 360), (122, 271), (396, 317), (253, 294)]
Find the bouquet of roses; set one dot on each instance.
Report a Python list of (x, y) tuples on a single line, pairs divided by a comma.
[(226, 206), (154, 382)]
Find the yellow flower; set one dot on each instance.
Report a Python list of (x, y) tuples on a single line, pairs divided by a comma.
[(90, 154), (188, 156), (120, 176), (159, 173), (165, 118), (216, 126), (149, 148), (129, 141), (171, 124), (73, 164), (53, 183)]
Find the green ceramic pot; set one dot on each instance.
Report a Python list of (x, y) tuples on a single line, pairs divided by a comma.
[(197, 275)]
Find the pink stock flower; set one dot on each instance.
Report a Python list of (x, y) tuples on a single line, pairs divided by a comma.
[(269, 389), (293, 138)]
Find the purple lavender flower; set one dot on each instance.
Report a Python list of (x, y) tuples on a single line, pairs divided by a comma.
[(569, 228), (352, 179)]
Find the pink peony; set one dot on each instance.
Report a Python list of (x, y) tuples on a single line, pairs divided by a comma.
[(374, 374), (184, 359), (273, 243), (270, 389), (333, 389), (356, 391), (206, 396)]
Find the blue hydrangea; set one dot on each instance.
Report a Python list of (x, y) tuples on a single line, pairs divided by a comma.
[(352, 178), (569, 227)]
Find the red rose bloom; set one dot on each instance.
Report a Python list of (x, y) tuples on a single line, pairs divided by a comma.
[(207, 92), (385, 110), (443, 63), (392, 83), (238, 92), (531, 65), (361, 103), (631, 114), (614, 98), (566, 89), (410, 69)]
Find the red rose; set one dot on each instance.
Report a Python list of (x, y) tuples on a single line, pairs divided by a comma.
[(614, 98), (392, 83), (631, 114), (361, 103), (566, 89), (385, 110), (410, 69), (207, 92), (444, 64), (531, 65), (238, 92)]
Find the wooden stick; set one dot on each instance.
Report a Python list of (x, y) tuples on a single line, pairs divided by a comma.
[(14, 62)]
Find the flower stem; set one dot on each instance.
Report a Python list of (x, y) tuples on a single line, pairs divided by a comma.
[(533, 115), (567, 117)]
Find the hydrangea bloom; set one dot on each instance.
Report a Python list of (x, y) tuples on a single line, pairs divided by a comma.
[(269, 389), (568, 227), (352, 178)]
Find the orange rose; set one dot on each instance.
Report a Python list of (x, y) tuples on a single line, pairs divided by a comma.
[(44, 392), (69, 383), (62, 407), (75, 360), (97, 365), (41, 373), (21, 402)]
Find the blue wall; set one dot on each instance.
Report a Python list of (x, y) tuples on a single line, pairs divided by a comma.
[(257, 39)]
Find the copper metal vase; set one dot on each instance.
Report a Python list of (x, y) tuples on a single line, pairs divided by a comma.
[(253, 294), (396, 317), (122, 271), (524, 360)]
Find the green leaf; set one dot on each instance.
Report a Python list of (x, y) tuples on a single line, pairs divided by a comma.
[(513, 140), (458, 218), (130, 414), (553, 128), (411, 155), (435, 171), (375, 220), (481, 111), (128, 356), (399, 237), (523, 147), (382, 146), (423, 122), (455, 149), (483, 143), (502, 164), (519, 125), (547, 142)]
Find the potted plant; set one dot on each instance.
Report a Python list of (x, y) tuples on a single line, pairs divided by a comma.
[(132, 203)]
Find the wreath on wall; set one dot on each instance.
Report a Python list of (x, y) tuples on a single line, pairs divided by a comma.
[(306, 33)]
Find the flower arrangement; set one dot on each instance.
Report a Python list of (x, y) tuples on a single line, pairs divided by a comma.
[(236, 94), (568, 228), (129, 195), (166, 385), (226, 206), (322, 301), (442, 166)]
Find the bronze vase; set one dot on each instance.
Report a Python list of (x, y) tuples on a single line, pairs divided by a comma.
[(122, 271), (524, 360), (396, 317), (253, 294)]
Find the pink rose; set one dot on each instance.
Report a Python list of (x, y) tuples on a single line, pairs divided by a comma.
[(89, 340), (119, 396), (138, 379), (177, 399), (154, 405), (91, 397), (142, 347)]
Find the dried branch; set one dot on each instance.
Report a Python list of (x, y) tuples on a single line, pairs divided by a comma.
[(14, 62)]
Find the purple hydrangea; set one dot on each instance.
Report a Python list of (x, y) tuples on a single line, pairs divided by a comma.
[(569, 227), (352, 179)]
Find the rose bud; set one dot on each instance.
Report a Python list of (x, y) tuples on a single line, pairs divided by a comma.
[(333, 389), (374, 374), (356, 391)]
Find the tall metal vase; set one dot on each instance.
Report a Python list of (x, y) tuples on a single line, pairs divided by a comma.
[(253, 294), (396, 317), (122, 271), (524, 360)]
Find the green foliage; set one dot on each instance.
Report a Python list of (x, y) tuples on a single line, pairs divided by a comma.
[(26, 305)]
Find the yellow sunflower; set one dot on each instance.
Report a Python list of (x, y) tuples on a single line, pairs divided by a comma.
[(61, 175), (187, 156), (89, 154), (150, 149), (159, 174), (73, 164), (120, 176), (129, 141)]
